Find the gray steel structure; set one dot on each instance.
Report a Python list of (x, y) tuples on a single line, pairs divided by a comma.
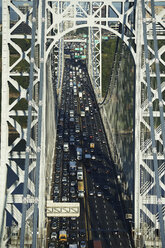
[(139, 28)]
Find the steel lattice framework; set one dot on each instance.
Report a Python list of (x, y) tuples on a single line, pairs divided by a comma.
[(23, 157)]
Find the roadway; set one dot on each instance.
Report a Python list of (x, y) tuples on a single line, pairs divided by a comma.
[(101, 212)]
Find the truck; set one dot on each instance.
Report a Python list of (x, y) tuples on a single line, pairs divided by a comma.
[(82, 113), (66, 147), (73, 246), (97, 244), (62, 236), (77, 128), (79, 175), (80, 94), (92, 145), (72, 165), (87, 156), (79, 153), (80, 189), (71, 113)]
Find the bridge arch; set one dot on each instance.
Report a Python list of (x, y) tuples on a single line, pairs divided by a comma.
[(60, 35)]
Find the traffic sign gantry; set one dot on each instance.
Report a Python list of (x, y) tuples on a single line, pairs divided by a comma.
[(62, 209)]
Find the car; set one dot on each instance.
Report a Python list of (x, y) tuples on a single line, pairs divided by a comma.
[(56, 189), (54, 225), (107, 197), (91, 192), (73, 226), (73, 218), (54, 219), (62, 246), (55, 194), (53, 236), (65, 190), (74, 195), (82, 233), (64, 199), (99, 194), (64, 179), (65, 168), (83, 244), (51, 245), (59, 148), (106, 187), (65, 173), (73, 236), (97, 185), (58, 169), (65, 183), (66, 157), (73, 183), (72, 190), (93, 157), (55, 198), (72, 173)]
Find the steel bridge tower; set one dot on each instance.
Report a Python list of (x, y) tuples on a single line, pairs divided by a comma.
[(28, 115)]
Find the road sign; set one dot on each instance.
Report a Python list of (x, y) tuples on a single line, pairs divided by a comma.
[(63, 209)]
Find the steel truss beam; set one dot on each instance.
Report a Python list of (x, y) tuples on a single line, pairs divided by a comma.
[(23, 145), (95, 60), (149, 125)]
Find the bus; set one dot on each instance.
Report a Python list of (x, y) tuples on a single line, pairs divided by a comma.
[(97, 244), (62, 236), (80, 189)]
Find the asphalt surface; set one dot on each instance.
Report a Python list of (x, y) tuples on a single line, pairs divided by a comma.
[(101, 212)]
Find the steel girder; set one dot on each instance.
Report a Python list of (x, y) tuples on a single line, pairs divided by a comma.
[(149, 125), (22, 144)]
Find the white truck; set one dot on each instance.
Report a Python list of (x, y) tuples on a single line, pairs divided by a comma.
[(80, 94), (82, 113), (75, 92), (79, 175), (66, 147), (73, 246), (79, 153), (71, 113)]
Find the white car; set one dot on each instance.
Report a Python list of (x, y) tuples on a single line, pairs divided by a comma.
[(93, 157), (53, 236), (64, 199), (99, 194)]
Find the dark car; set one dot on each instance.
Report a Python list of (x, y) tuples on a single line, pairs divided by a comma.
[(73, 236), (73, 226), (83, 244), (82, 233), (51, 245), (54, 225)]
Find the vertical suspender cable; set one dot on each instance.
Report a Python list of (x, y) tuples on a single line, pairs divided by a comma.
[(26, 176), (160, 97), (154, 151), (37, 174)]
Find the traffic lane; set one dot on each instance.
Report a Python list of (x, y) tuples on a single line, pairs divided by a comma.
[(107, 212), (101, 228)]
